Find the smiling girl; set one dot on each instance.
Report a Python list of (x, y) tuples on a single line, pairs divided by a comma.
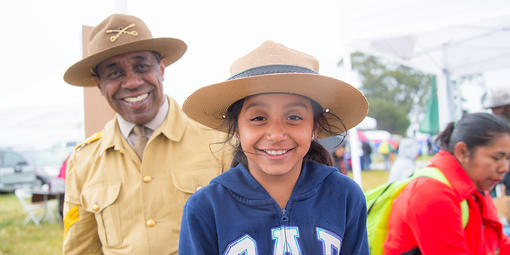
[(281, 195)]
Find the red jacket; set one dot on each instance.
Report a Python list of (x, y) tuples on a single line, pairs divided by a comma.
[(427, 215)]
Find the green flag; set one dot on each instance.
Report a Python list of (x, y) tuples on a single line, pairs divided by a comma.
[(430, 123)]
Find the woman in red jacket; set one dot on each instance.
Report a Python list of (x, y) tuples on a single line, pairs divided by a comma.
[(426, 217)]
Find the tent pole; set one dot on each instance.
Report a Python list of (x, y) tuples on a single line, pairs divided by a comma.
[(442, 96), (355, 149), (445, 100), (354, 144)]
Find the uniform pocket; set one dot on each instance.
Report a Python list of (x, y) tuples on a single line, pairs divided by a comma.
[(100, 200)]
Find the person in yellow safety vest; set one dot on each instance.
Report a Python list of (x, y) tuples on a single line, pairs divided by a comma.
[(426, 215)]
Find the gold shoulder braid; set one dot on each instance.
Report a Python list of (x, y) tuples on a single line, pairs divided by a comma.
[(96, 136)]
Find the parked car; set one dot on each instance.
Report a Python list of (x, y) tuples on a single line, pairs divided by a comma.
[(15, 171), (46, 162)]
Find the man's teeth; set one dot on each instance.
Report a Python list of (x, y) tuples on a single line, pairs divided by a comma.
[(275, 152), (136, 99)]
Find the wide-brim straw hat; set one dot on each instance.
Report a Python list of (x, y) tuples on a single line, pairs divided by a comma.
[(118, 34), (498, 96), (274, 68)]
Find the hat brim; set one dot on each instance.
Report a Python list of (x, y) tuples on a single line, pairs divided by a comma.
[(80, 74), (208, 104), (493, 105)]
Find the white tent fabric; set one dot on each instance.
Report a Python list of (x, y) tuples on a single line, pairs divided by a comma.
[(446, 38), (368, 123), (460, 49)]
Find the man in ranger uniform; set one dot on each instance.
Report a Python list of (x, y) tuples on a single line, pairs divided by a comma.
[(126, 185)]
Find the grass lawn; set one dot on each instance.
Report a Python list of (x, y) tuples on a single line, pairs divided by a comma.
[(19, 239), (371, 179)]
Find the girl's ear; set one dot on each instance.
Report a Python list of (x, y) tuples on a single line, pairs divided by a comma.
[(461, 153), (314, 135)]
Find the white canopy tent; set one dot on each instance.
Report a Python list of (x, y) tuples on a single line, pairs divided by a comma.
[(445, 38), (455, 50)]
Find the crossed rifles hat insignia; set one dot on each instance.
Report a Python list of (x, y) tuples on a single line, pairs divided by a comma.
[(120, 32)]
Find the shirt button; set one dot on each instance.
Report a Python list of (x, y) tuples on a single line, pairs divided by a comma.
[(198, 187), (95, 207), (147, 179), (150, 223)]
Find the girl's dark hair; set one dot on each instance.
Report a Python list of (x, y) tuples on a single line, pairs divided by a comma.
[(475, 129), (316, 152)]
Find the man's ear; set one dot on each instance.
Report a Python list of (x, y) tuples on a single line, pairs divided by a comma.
[(98, 84), (461, 152), (162, 65)]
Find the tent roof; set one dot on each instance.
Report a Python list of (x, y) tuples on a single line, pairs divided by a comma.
[(468, 48)]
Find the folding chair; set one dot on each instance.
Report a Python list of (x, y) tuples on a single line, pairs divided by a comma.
[(35, 210), (52, 215)]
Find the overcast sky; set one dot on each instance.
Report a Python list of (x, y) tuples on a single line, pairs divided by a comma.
[(41, 39)]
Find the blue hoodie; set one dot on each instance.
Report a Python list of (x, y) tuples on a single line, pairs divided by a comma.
[(234, 214)]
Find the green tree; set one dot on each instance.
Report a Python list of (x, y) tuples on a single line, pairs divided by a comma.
[(390, 117), (395, 92)]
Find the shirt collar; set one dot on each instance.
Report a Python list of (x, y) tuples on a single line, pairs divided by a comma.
[(173, 130), (126, 126), (454, 172)]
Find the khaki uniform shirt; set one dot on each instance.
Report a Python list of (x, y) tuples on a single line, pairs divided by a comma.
[(116, 204)]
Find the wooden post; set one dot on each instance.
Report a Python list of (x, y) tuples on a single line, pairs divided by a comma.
[(97, 110)]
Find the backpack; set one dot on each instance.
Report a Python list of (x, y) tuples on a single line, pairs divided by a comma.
[(380, 201)]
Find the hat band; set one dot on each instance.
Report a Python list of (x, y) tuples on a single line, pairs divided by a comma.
[(271, 69)]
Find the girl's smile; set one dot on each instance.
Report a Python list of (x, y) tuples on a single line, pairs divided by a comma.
[(275, 131)]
